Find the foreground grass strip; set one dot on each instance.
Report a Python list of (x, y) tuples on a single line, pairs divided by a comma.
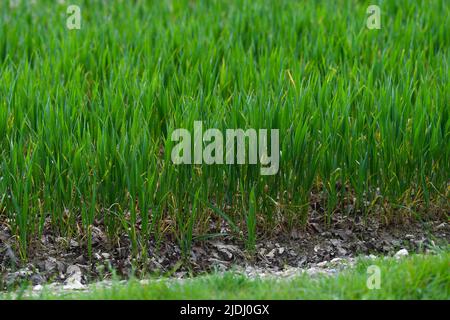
[(416, 277)]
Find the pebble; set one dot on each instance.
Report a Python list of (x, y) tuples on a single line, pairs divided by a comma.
[(322, 264), (38, 287), (106, 255), (401, 253)]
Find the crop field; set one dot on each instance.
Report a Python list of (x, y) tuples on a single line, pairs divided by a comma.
[(87, 116)]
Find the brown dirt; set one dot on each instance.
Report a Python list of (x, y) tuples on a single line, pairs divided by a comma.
[(345, 237)]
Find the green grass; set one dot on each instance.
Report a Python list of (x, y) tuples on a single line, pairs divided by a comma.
[(417, 277), (86, 115)]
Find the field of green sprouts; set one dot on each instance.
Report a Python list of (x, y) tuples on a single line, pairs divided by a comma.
[(86, 115)]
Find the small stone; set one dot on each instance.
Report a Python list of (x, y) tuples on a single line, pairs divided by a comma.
[(38, 287), (342, 251), (60, 266), (106, 255), (74, 244), (271, 254), (50, 264), (401, 253), (301, 262), (37, 279), (73, 274), (80, 259), (73, 269), (335, 242), (322, 264), (74, 285), (336, 260)]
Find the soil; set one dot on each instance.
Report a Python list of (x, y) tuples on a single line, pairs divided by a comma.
[(54, 259)]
